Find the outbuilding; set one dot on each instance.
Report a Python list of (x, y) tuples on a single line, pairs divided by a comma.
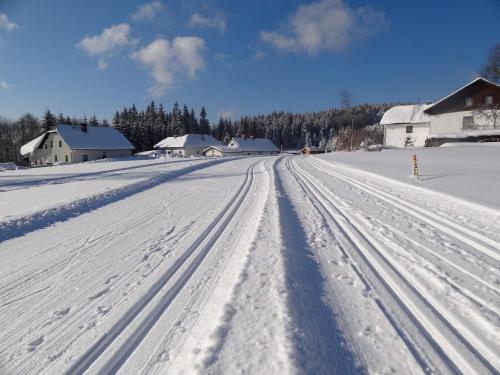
[(406, 125), (253, 146), (309, 150), (76, 144)]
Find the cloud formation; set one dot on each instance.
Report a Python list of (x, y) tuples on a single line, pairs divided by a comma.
[(166, 61), (217, 22), (147, 12), (5, 23), (326, 25), (105, 44), (4, 85)]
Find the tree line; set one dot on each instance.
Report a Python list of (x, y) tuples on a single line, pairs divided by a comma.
[(145, 128)]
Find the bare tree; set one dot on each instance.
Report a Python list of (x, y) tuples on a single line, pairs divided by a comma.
[(346, 101), (491, 70), (490, 114)]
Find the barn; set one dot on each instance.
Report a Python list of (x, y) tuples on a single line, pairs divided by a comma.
[(76, 144)]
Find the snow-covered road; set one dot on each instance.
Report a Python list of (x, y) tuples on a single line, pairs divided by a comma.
[(251, 265)]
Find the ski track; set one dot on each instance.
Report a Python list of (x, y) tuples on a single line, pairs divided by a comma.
[(453, 342), (260, 265)]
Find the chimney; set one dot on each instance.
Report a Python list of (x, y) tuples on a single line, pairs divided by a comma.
[(83, 126)]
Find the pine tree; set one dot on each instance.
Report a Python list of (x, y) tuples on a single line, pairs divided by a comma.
[(93, 121), (204, 127), (49, 121)]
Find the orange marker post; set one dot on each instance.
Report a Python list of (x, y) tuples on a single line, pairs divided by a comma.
[(415, 173)]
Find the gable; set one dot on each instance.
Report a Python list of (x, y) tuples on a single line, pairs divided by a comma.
[(455, 102)]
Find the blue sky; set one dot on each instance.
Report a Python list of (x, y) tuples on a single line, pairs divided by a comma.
[(236, 57)]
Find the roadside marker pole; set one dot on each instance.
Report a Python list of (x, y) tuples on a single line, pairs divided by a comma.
[(415, 173)]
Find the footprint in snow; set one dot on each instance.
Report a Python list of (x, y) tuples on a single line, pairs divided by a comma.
[(35, 343), (99, 294)]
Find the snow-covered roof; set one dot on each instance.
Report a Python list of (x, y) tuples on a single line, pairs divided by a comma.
[(253, 144), (406, 114), (95, 138), (224, 149), (188, 141), (31, 146), (164, 142)]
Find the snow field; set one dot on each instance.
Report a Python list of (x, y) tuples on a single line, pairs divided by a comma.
[(479, 338), (284, 265)]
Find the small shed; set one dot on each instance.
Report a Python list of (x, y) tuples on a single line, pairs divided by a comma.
[(311, 150)]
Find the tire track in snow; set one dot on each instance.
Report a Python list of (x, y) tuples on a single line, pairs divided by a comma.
[(187, 264), (459, 347)]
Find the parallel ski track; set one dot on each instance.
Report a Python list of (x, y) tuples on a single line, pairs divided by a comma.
[(481, 243), (189, 261), (445, 334)]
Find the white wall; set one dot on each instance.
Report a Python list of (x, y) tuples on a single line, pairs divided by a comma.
[(453, 122), (395, 134)]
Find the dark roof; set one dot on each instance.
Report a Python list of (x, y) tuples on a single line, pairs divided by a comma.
[(458, 96)]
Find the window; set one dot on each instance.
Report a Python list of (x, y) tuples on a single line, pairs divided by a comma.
[(51, 144), (66, 158), (60, 143), (55, 158), (488, 100), (409, 129), (469, 101), (85, 158), (468, 122), (45, 145)]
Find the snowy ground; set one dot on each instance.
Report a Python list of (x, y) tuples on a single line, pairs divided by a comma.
[(251, 265)]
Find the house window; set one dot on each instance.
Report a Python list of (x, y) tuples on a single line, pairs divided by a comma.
[(488, 100), (468, 122), (55, 158), (469, 101), (45, 145), (409, 129), (60, 143), (85, 158), (51, 144), (66, 158)]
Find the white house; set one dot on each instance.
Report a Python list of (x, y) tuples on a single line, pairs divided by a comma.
[(186, 145), (464, 113), (406, 125), (75, 144), (465, 109), (243, 146)]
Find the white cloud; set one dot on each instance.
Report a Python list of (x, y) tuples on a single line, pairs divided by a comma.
[(109, 40), (329, 25), (147, 12), (105, 44), (5, 23), (102, 64), (166, 61), (4, 85), (217, 22)]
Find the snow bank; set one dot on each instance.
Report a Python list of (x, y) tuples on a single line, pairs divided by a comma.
[(467, 172)]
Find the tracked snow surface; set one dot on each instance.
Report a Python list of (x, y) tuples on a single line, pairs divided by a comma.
[(328, 264)]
